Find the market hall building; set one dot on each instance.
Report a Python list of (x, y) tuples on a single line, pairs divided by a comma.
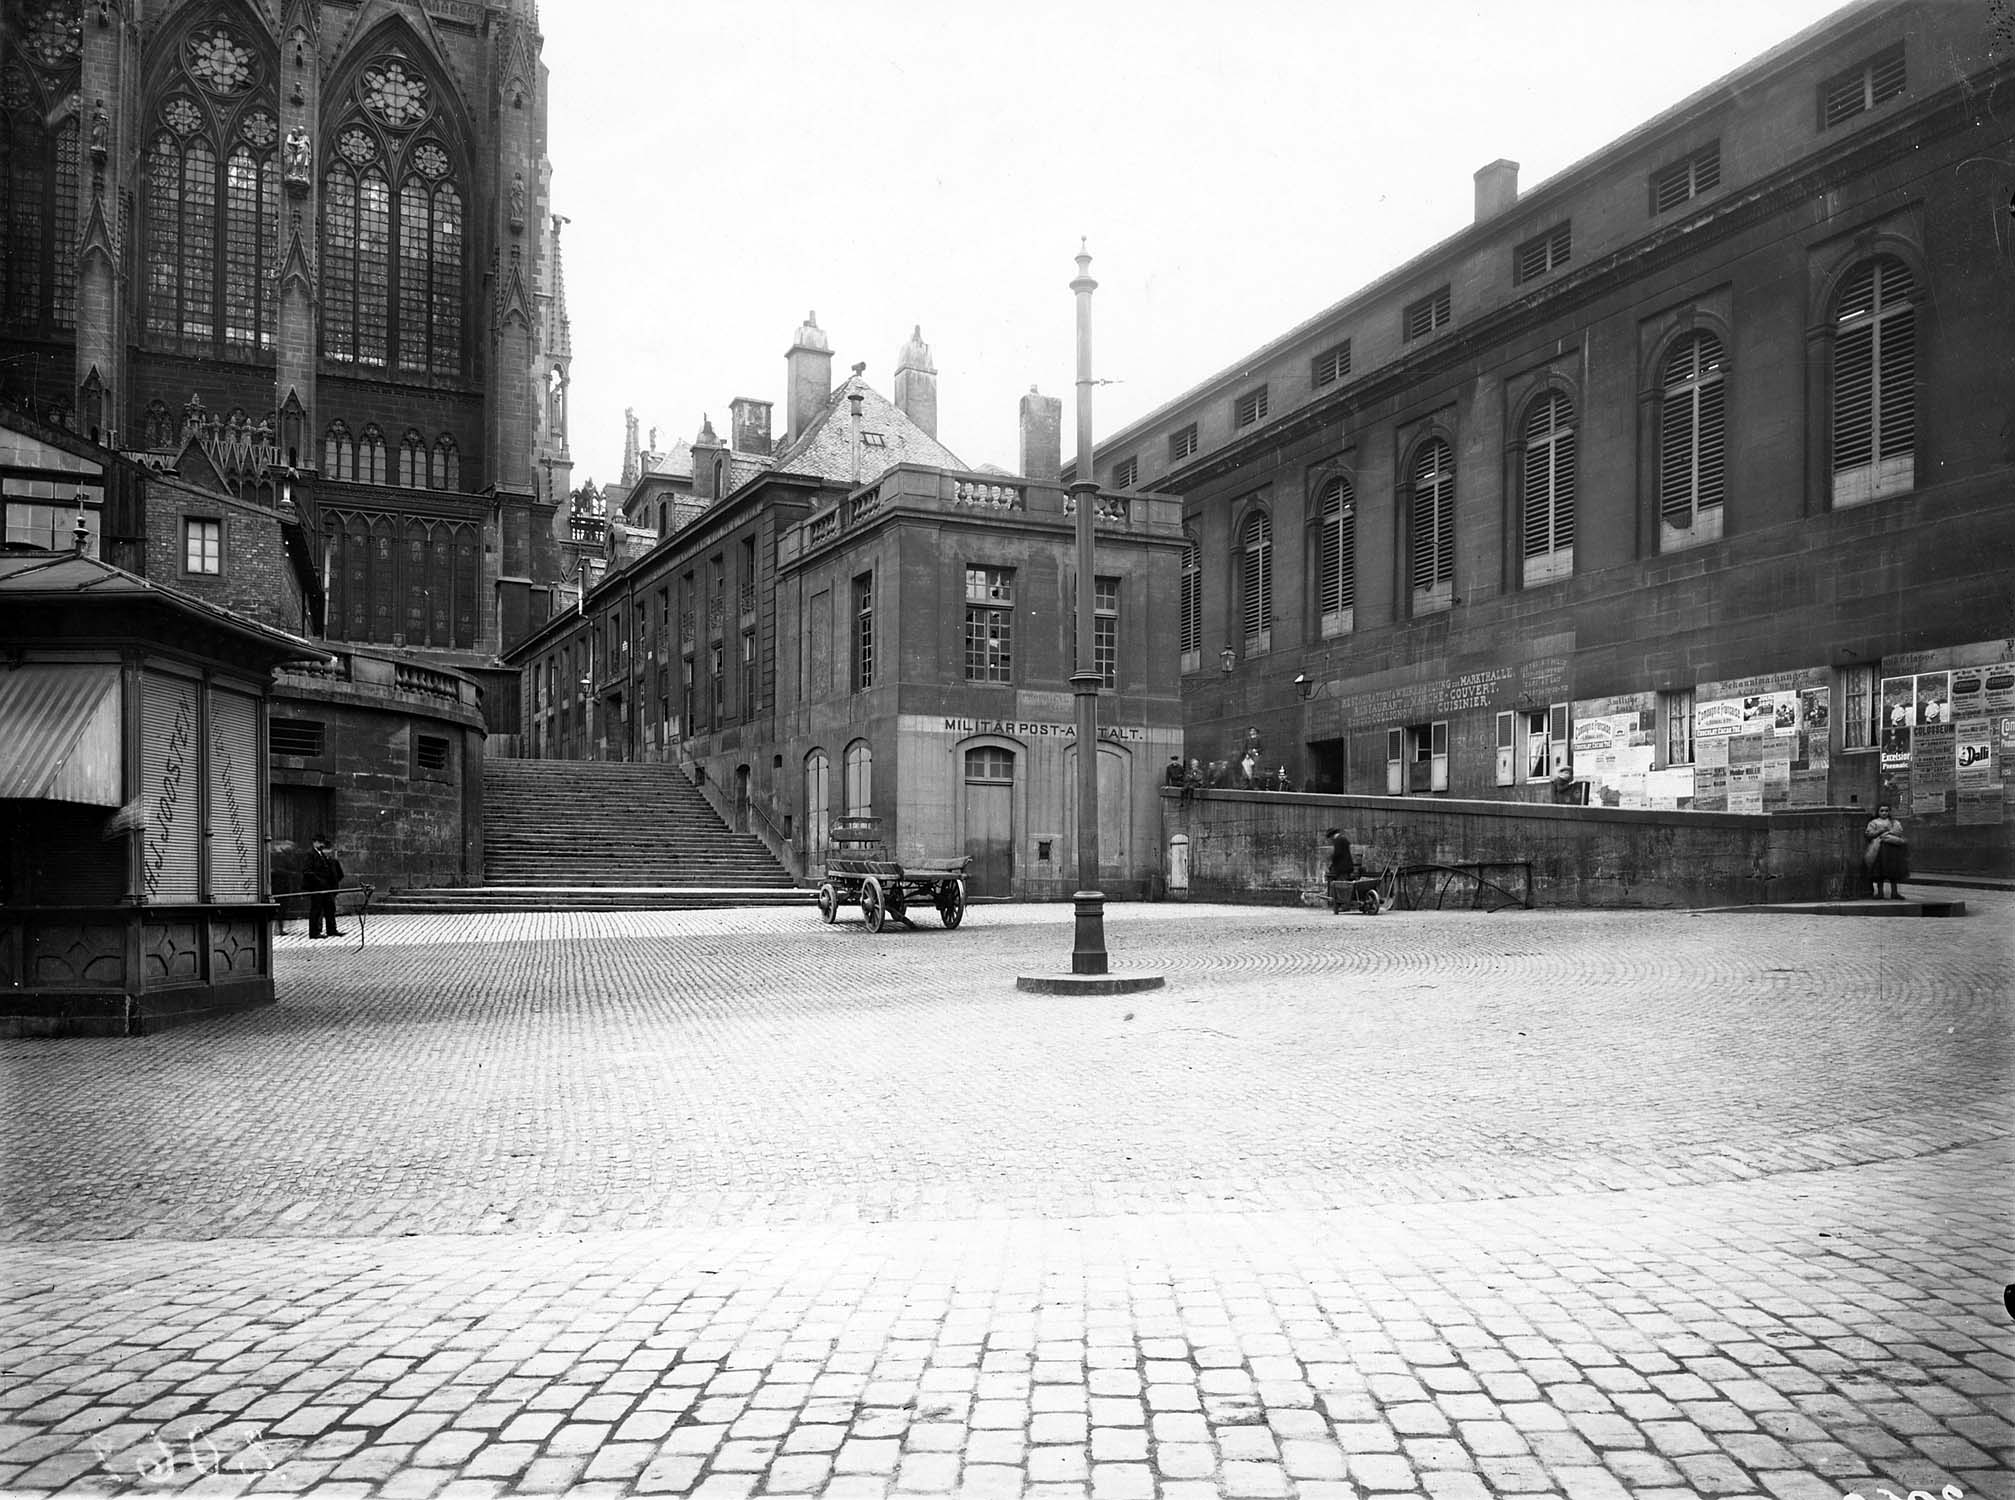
[(1684, 479), (849, 621)]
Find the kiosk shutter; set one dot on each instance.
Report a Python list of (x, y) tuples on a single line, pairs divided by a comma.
[(235, 846), (169, 790)]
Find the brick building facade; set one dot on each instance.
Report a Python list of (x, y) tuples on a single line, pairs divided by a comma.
[(1684, 479)]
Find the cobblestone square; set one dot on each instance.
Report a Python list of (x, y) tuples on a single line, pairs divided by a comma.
[(739, 1204)]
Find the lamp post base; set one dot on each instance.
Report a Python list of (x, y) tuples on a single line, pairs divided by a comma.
[(1088, 975)]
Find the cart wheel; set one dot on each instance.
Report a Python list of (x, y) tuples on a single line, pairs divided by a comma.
[(1368, 902), (829, 902), (874, 907), (952, 902)]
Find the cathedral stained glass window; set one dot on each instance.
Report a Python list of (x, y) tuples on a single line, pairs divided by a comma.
[(39, 141), (211, 200), (393, 229)]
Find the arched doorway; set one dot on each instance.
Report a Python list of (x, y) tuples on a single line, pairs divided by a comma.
[(989, 820), (818, 808)]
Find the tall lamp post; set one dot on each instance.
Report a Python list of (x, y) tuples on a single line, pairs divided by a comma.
[(1088, 964)]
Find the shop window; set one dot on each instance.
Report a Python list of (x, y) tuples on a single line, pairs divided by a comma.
[(1416, 758)]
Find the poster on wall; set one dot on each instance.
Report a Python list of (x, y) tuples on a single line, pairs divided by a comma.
[(1933, 770), (1899, 712), (1997, 689), (1745, 787), (1671, 787), (1710, 774), (1811, 760)]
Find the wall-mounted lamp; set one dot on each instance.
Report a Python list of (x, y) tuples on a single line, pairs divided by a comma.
[(1303, 686), (1227, 659)]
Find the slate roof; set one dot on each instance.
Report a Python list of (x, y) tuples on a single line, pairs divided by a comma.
[(826, 448)]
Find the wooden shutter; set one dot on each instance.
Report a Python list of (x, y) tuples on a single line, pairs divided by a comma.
[(170, 795), (1854, 398), (236, 850), (1257, 600), (1191, 624), (1549, 477), (1336, 583), (1433, 549), (1692, 431)]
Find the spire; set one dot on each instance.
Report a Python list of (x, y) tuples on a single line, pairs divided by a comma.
[(559, 329), (632, 459)]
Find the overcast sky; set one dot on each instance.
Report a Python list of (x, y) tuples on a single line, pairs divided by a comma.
[(1236, 166)]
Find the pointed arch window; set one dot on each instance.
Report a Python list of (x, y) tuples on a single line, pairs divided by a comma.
[(371, 456), (39, 143), (1336, 554), (1692, 440), (1255, 581), (1431, 544), (393, 229), (1547, 484), (1874, 382), (157, 426), (212, 199), (339, 454), (447, 470), (413, 460), (1191, 611)]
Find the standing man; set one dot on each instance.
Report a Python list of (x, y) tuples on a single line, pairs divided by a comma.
[(323, 872)]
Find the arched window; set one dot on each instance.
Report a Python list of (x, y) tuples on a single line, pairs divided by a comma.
[(1431, 543), (860, 780), (1874, 382), (339, 454), (393, 226), (157, 426), (1255, 580), (371, 456), (1190, 626), (413, 460), (818, 806), (1336, 554), (1547, 529), (39, 140), (447, 471), (212, 198), (1692, 431)]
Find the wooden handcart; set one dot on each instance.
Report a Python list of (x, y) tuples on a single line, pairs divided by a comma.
[(859, 871)]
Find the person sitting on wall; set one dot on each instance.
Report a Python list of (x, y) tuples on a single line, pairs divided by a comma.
[(1173, 775), (322, 873)]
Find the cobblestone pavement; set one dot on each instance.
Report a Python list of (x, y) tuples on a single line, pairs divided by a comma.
[(1571, 1204)]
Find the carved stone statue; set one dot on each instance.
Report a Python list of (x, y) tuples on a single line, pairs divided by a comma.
[(517, 200), (297, 159)]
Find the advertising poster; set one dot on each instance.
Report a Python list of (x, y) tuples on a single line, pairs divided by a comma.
[(1899, 712), (2004, 746), (1713, 720), (1670, 788), (1974, 747), (1710, 773), (1812, 759), (1997, 691), (1745, 787), (1934, 698), (1933, 769)]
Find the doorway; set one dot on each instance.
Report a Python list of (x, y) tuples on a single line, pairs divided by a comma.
[(741, 799), (989, 821)]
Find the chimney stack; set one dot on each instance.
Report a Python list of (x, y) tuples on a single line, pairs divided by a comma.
[(749, 431), (809, 376), (917, 383), (709, 464), (1041, 436), (1496, 188)]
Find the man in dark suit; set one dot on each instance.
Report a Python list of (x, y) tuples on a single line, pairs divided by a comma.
[(322, 872)]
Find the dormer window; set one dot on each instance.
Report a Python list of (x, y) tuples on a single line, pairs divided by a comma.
[(1862, 87)]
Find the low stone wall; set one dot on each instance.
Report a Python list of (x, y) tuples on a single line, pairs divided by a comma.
[(1268, 847)]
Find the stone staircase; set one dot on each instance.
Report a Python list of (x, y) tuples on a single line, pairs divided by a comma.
[(567, 835)]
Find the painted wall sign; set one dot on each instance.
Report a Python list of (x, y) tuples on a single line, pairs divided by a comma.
[(1039, 729)]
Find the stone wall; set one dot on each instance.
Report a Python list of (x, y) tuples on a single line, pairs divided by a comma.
[(1268, 847)]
